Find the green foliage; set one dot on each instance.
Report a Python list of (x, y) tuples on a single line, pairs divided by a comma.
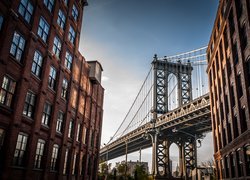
[(121, 169), (104, 168), (140, 173)]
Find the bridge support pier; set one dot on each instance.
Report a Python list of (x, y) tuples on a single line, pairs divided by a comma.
[(187, 158)]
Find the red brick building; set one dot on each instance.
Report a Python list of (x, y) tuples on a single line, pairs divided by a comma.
[(229, 75), (50, 98)]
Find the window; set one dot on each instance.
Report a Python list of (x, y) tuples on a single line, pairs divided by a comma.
[(20, 149), (232, 95), (61, 19), (68, 60), (39, 153), (1, 21), (29, 105), (239, 8), (243, 36), (72, 35), (65, 161), (37, 64), (239, 163), (17, 46), (59, 122), (7, 91), (52, 78), (49, 4), (57, 46), (71, 129), (74, 12), (229, 133), (2, 134), (74, 164), (247, 64), (239, 86), (64, 89), (235, 54), (46, 114), (84, 131), (231, 22), (247, 159), (65, 2), (235, 127), (227, 167), (243, 119), (43, 29), (54, 157), (25, 9), (232, 163), (78, 132)]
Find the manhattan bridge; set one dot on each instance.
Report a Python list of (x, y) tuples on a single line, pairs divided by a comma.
[(172, 106)]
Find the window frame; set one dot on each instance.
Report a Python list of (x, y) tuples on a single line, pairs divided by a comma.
[(8, 91), (75, 12), (65, 87), (68, 60), (46, 116), (20, 149), (57, 46), (43, 29), (71, 129), (59, 122), (29, 104), (54, 157), (39, 153), (61, 19), (72, 35), (17, 46), (49, 4), (25, 11), (1, 21), (37, 64), (52, 78)]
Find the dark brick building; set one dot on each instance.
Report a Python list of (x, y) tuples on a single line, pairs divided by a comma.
[(50, 98), (229, 76)]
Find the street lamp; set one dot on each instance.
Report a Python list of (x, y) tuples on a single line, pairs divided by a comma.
[(195, 144)]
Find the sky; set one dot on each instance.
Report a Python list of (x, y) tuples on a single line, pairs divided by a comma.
[(124, 35)]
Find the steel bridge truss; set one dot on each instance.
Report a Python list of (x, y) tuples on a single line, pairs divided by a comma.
[(162, 70)]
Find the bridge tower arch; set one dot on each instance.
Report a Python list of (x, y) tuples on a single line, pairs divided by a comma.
[(162, 69)]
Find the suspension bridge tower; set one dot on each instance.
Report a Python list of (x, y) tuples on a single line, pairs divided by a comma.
[(162, 68)]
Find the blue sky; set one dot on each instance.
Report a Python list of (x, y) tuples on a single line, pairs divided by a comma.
[(123, 35)]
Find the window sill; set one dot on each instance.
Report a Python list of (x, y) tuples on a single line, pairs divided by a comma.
[(6, 109), (51, 90), (27, 118), (45, 127), (15, 60), (38, 169)]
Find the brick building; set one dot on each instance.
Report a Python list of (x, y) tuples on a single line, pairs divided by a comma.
[(51, 98), (229, 73)]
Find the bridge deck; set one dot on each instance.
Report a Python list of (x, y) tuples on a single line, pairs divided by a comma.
[(193, 117)]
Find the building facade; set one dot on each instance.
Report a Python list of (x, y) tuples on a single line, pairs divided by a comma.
[(51, 98), (228, 57)]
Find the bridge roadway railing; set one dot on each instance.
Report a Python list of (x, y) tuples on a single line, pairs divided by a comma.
[(193, 117)]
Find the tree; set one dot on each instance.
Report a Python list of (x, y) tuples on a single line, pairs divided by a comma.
[(104, 168), (121, 168), (140, 173)]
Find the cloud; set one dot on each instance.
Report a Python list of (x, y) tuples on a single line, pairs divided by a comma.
[(105, 78)]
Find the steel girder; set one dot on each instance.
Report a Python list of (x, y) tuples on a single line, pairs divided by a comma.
[(162, 70)]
